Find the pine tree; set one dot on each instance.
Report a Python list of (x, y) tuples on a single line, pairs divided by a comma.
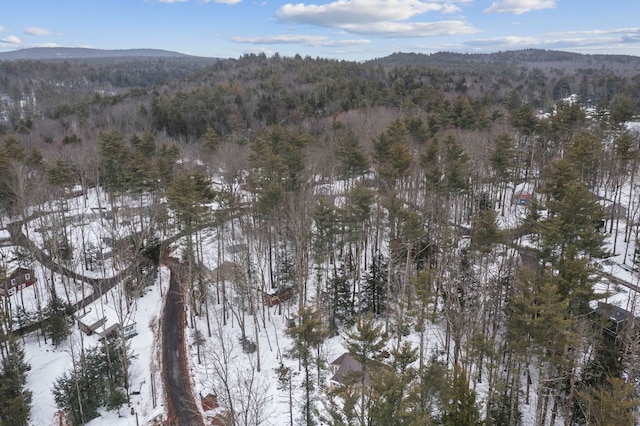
[(339, 302), (363, 343), (431, 164), (61, 174), (115, 156), (188, 196), (391, 388), (584, 153), (307, 334), (502, 163), (569, 236), (485, 231), (353, 160), (614, 403), (621, 109), (16, 399), (141, 172), (56, 324), (324, 218), (210, 140), (98, 379), (392, 153), (456, 166), (459, 407), (373, 295)]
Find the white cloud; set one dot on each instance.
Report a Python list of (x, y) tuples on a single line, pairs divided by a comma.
[(627, 31), (508, 41), (315, 41), (518, 7), (351, 12), (383, 18), (412, 29), (619, 38), (2, 29), (11, 40), (37, 31), (171, 1)]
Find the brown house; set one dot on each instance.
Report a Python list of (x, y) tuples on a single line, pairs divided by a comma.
[(17, 279)]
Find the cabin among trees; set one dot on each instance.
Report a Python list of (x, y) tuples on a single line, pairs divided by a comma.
[(17, 279), (341, 368), (614, 319)]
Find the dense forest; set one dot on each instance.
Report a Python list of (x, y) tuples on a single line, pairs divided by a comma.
[(384, 200)]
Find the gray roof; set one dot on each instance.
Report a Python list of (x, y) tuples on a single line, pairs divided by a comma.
[(347, 365), (614, 313)]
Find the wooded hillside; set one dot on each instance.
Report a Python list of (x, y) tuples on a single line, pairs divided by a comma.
[(447, 216)]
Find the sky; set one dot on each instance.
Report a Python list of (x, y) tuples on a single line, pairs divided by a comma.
[(340, 29)]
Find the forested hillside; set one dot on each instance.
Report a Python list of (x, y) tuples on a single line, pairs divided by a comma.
[(464, 226)]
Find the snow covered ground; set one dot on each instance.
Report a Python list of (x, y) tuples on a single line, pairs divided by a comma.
[(48, 363), (87, 225)]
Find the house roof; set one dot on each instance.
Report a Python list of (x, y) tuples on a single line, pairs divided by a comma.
[(614, 313), (15, 270), (347, 365), (103, 319)]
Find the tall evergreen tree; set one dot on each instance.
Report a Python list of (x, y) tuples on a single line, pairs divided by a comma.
[(391, 390), (115, 156), (56, 324), (15, 398), (459, 407), (363, 343), (353, 160), (308, 334), (569, 236), (373, 295), (614, 403), (98, 379)]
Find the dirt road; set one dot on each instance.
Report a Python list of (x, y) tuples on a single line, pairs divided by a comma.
[(182, 409)]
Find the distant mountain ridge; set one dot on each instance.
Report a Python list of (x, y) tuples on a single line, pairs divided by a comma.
[(47, 53), (528, 56)]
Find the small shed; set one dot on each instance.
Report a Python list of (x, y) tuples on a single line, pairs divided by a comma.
[(278, 297), (615, 211), (521, 199), (114, 329)]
